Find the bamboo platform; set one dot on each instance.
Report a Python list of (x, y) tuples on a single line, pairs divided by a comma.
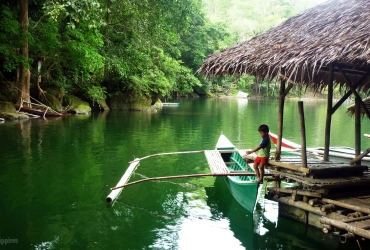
[(335, 194), (315, 168)]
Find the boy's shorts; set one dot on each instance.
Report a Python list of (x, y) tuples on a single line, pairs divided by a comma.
[(259, 160)]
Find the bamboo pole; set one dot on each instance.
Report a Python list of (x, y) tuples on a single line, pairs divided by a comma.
[(357, 129), (359, 157), (344, 226), (357, 219), (348, 206), (291, 191), (303, 135), (329, 113), (126, 176), (280, 119), (239, 173), (306, 207)]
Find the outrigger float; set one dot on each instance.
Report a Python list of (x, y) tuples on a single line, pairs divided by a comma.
[(226, 161)]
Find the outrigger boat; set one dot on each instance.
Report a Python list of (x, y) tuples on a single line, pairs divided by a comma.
[(338, 152), (243, 188), (225, 161)]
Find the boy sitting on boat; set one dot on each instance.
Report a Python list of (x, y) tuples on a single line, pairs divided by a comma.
[(263, 152)]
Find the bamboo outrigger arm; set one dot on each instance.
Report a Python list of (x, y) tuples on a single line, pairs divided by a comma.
[(236, 173)]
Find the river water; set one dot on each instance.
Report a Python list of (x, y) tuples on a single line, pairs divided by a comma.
[(56, 173)]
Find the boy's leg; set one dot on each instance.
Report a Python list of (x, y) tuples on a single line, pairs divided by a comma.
[(256, 170), (261, 172)]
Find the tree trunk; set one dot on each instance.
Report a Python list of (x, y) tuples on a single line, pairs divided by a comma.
[(24, 79)]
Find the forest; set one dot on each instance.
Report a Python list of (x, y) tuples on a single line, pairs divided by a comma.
[(100, 50)]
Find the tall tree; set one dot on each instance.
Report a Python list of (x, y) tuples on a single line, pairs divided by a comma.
[(24, 72)]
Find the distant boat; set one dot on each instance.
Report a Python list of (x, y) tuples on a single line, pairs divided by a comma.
[(339, 152), (171, 104), (243, 188)]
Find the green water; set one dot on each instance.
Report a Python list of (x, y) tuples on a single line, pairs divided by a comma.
[(56, 173)]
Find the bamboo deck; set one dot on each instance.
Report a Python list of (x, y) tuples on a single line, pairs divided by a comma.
[(215, 162)]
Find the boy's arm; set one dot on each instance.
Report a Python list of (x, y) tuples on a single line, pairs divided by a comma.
[(253, 150)]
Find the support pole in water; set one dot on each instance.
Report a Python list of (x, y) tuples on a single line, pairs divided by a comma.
[(115, 193), (303, 135)]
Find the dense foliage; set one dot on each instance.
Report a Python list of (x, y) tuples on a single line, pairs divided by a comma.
[(99, 48)]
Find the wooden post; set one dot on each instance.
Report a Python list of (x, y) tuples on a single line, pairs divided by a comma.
[(329, 113), (280, 119), (357, 128), (303, 134)]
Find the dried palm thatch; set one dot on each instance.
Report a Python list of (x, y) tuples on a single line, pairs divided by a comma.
[(302, 48), (351, 108)]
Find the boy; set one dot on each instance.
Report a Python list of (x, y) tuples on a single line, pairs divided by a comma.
[(264, 154)]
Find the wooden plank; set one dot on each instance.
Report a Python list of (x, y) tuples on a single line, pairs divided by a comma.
[(215, 162)]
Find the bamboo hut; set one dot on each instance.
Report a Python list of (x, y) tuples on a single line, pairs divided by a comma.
[(325, 46)]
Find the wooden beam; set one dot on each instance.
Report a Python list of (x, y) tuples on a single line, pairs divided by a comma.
[(349, 92), (355, 92), (328, 113), (290, 86)]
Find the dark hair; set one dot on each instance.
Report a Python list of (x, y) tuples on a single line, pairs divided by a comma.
[(264, 128)]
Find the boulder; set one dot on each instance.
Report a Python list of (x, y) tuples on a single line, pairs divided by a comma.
[(7, 107), (76, 105), (13, 116), (125, 101), (158, 104), (51, 101)]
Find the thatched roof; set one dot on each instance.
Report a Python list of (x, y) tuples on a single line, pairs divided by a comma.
[(302, 48), (351, 108)]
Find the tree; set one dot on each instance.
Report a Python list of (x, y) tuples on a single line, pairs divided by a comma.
[(24, 71)]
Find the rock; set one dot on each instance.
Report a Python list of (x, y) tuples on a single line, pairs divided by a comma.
[(7, 107), (158, 104), (51, 101), (76, 105), (13, 116), (125, 101), (242, 95)]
